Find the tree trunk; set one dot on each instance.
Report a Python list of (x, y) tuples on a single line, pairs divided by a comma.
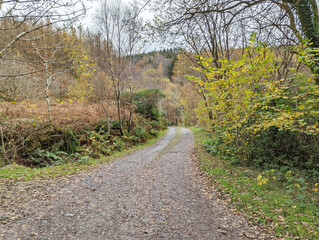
[(118, 98), (47, 93), (107, 114), (307, 11), (130, 98)]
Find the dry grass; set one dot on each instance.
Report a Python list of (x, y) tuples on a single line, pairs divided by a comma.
[(77, 113), (26, 126)]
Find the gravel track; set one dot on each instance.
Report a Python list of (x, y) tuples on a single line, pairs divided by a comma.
[(154, 193)]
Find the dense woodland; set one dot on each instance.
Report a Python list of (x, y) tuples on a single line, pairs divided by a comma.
[(246, 71), (69, 94)]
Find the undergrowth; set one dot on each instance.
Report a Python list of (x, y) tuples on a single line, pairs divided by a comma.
[(15, 172), (77, 131), (281, 200), (77, 135)]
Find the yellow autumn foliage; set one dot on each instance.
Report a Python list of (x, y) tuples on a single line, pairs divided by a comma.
[(83, 68), (245, 98)]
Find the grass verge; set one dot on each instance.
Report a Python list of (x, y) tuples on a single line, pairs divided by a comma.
[(269, 205), (21, 173)]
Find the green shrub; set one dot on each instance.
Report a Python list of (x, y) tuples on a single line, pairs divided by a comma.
[(44, 158), (156, 125), (96, 143), (163, 123), (273, 149), (115, 124), (71, 144), (101, 125), (118, 143), (35, 144), (263, 121), (276, 148), (153, 132), (213, 145), (146, 102), (140, 133)]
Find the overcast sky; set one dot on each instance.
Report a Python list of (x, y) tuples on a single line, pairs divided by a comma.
[(88, 21), (92, 6)]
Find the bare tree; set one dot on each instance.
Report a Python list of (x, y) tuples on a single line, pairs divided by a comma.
[(29, 28), (47, 59), (110, 20), (18, 19), (135, 30), (277, 22), (119, 26), (202, 35), (22, 24)]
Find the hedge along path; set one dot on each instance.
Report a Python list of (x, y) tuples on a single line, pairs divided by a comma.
[(154, 193)]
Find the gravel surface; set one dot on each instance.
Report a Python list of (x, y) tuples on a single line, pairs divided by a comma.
[(154, 193)]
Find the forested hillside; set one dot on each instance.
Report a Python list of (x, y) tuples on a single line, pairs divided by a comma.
[(68, 94)]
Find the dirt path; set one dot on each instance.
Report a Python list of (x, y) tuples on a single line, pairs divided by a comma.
[(151, 194)]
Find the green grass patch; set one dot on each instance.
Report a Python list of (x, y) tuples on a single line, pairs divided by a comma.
[(16, 172), (173, 142), (268, 204)]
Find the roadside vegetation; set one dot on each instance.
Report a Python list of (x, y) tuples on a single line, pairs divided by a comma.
[(15, 172), (279, 200), (262, 139), (77, 135)]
